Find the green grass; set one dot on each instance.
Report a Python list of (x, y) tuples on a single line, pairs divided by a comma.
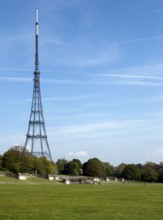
[(43, 199)]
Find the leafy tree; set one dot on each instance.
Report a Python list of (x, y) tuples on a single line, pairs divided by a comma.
[(78, 162), (61, 165), (132, 172), (153, 166), (94, 167), (160, 174), (0, 162), (119, 170), (16, 159), (72, 168), (44, 166), (149, 174), (54, 167), (33, 163), (109, 169)]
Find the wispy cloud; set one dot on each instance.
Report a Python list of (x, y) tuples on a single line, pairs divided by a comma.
[(15, 42), (51, 81), (78, 154), (130, 41), (15, 69), (60, 99), (139, 76), (70, 98), (91, 55), (15, 79), (131, 76), (93, 129), (86, 55), (149, 70), (52, 40), (63, 81), (139, 83)]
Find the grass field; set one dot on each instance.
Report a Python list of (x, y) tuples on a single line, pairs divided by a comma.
[(42, 199)]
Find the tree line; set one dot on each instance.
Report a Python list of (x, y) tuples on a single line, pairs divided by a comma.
[(19, 159)]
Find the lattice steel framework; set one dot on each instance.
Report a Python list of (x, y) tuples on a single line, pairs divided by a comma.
[(36, 137)]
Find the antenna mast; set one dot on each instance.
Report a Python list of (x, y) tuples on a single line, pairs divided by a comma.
[(36, 137)]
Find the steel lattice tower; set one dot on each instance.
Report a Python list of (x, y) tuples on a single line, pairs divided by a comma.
[(36, 137)]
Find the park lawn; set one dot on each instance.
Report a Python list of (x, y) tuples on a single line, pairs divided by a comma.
[(89, 202)]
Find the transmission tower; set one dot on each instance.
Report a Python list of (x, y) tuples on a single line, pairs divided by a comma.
[(36, 137)]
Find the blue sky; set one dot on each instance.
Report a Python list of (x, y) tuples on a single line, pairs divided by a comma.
[(101, 66)]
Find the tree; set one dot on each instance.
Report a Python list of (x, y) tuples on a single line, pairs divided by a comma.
[(132, 172), (94, 167), (149, 174), (0, 162), (119, 170), (44, 166), (16, 159), (160, 174), (78, 162), (72, 168), (109, 169), (61, 165)]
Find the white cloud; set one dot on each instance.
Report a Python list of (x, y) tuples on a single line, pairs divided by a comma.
[(149, 70), (132, 76), (150, 75), (15, 79), (139, 83), (139, 40), (78, 154), (51, 81), (95, 129), (90, 61), (52, 40), (61, 81), (90, 55), (70, 98), (15, 69)]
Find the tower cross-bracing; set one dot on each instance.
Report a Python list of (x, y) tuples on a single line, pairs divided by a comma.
[(36, 137)]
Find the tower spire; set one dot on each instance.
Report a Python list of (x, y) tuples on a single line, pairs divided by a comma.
[(36, 137), (36, 38)]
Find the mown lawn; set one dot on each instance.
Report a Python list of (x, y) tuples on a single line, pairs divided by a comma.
[(34, 200)]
